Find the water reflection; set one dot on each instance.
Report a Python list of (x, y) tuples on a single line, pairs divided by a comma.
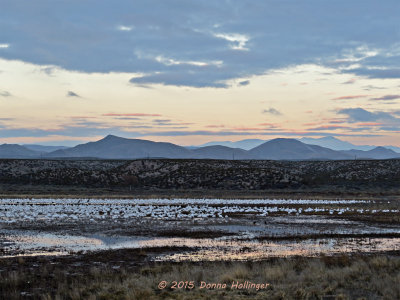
[(28, 243), (248, 229)]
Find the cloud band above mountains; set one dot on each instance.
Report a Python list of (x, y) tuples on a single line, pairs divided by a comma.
[(203, 43)]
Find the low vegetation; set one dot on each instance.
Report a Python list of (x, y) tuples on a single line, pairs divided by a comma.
[(124, 274), (375, 176)]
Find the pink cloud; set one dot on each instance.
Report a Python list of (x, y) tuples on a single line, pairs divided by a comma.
[(311, 124), (370, 124), (387, 97), (351, 81), (337, 121), (83, 117), (329, 127), (248, 128), (350, 97), (131, 115), (267, 124)]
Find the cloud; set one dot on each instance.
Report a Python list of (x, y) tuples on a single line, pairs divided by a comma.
[(161, 120), (83, 117), (70, 131), (373, 87), (238, 41), (370, 124), (377, 72), (72, 94), (91, 124), (199, 79), (131, 115), (367, 120), (250, 133), (396, 112), (361, 115), (391, 129), (128, 118), (5, 94), (171, 62), (48, 70), (245, 82), (141, 126), (350, 97), (387, 97), (350, 81), (124, 28), (329, 127), (251, 38), (336, 121), (169, 123), (272, 111), (268, 124), (215, 126), (248, 128)]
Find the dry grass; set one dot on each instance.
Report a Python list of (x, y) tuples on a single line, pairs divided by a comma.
[(339, 277)]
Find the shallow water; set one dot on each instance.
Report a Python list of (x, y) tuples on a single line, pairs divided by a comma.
[(246, 229), (30, 243), (260, 250)]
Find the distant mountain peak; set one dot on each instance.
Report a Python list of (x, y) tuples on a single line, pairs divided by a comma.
[(330, 138), (245, 144), (332, 143), (285, 141), (292, 149), (383, 149), (111, 136), (16, 151)]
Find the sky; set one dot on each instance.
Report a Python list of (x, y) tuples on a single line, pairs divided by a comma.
[(190, 72)]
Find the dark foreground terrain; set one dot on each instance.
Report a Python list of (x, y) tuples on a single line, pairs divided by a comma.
[(124, 248), (89, 235), (127, 274), (198, 177)]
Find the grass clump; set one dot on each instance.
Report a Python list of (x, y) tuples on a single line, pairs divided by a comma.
[(337, 277)]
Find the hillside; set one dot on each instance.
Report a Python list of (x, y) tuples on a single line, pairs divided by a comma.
[(113, 147), (155, 174), (43, 149), (376, 153), (16, 151), (220, 152), (291, 149)]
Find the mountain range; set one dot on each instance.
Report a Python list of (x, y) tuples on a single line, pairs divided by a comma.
[(42, 148), (327, 142), (291, 149), (17, 151), (113, 147), (246, 144), (336, 144)]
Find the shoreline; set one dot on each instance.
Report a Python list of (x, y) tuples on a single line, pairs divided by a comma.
[(35, 191), (127, 274)]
